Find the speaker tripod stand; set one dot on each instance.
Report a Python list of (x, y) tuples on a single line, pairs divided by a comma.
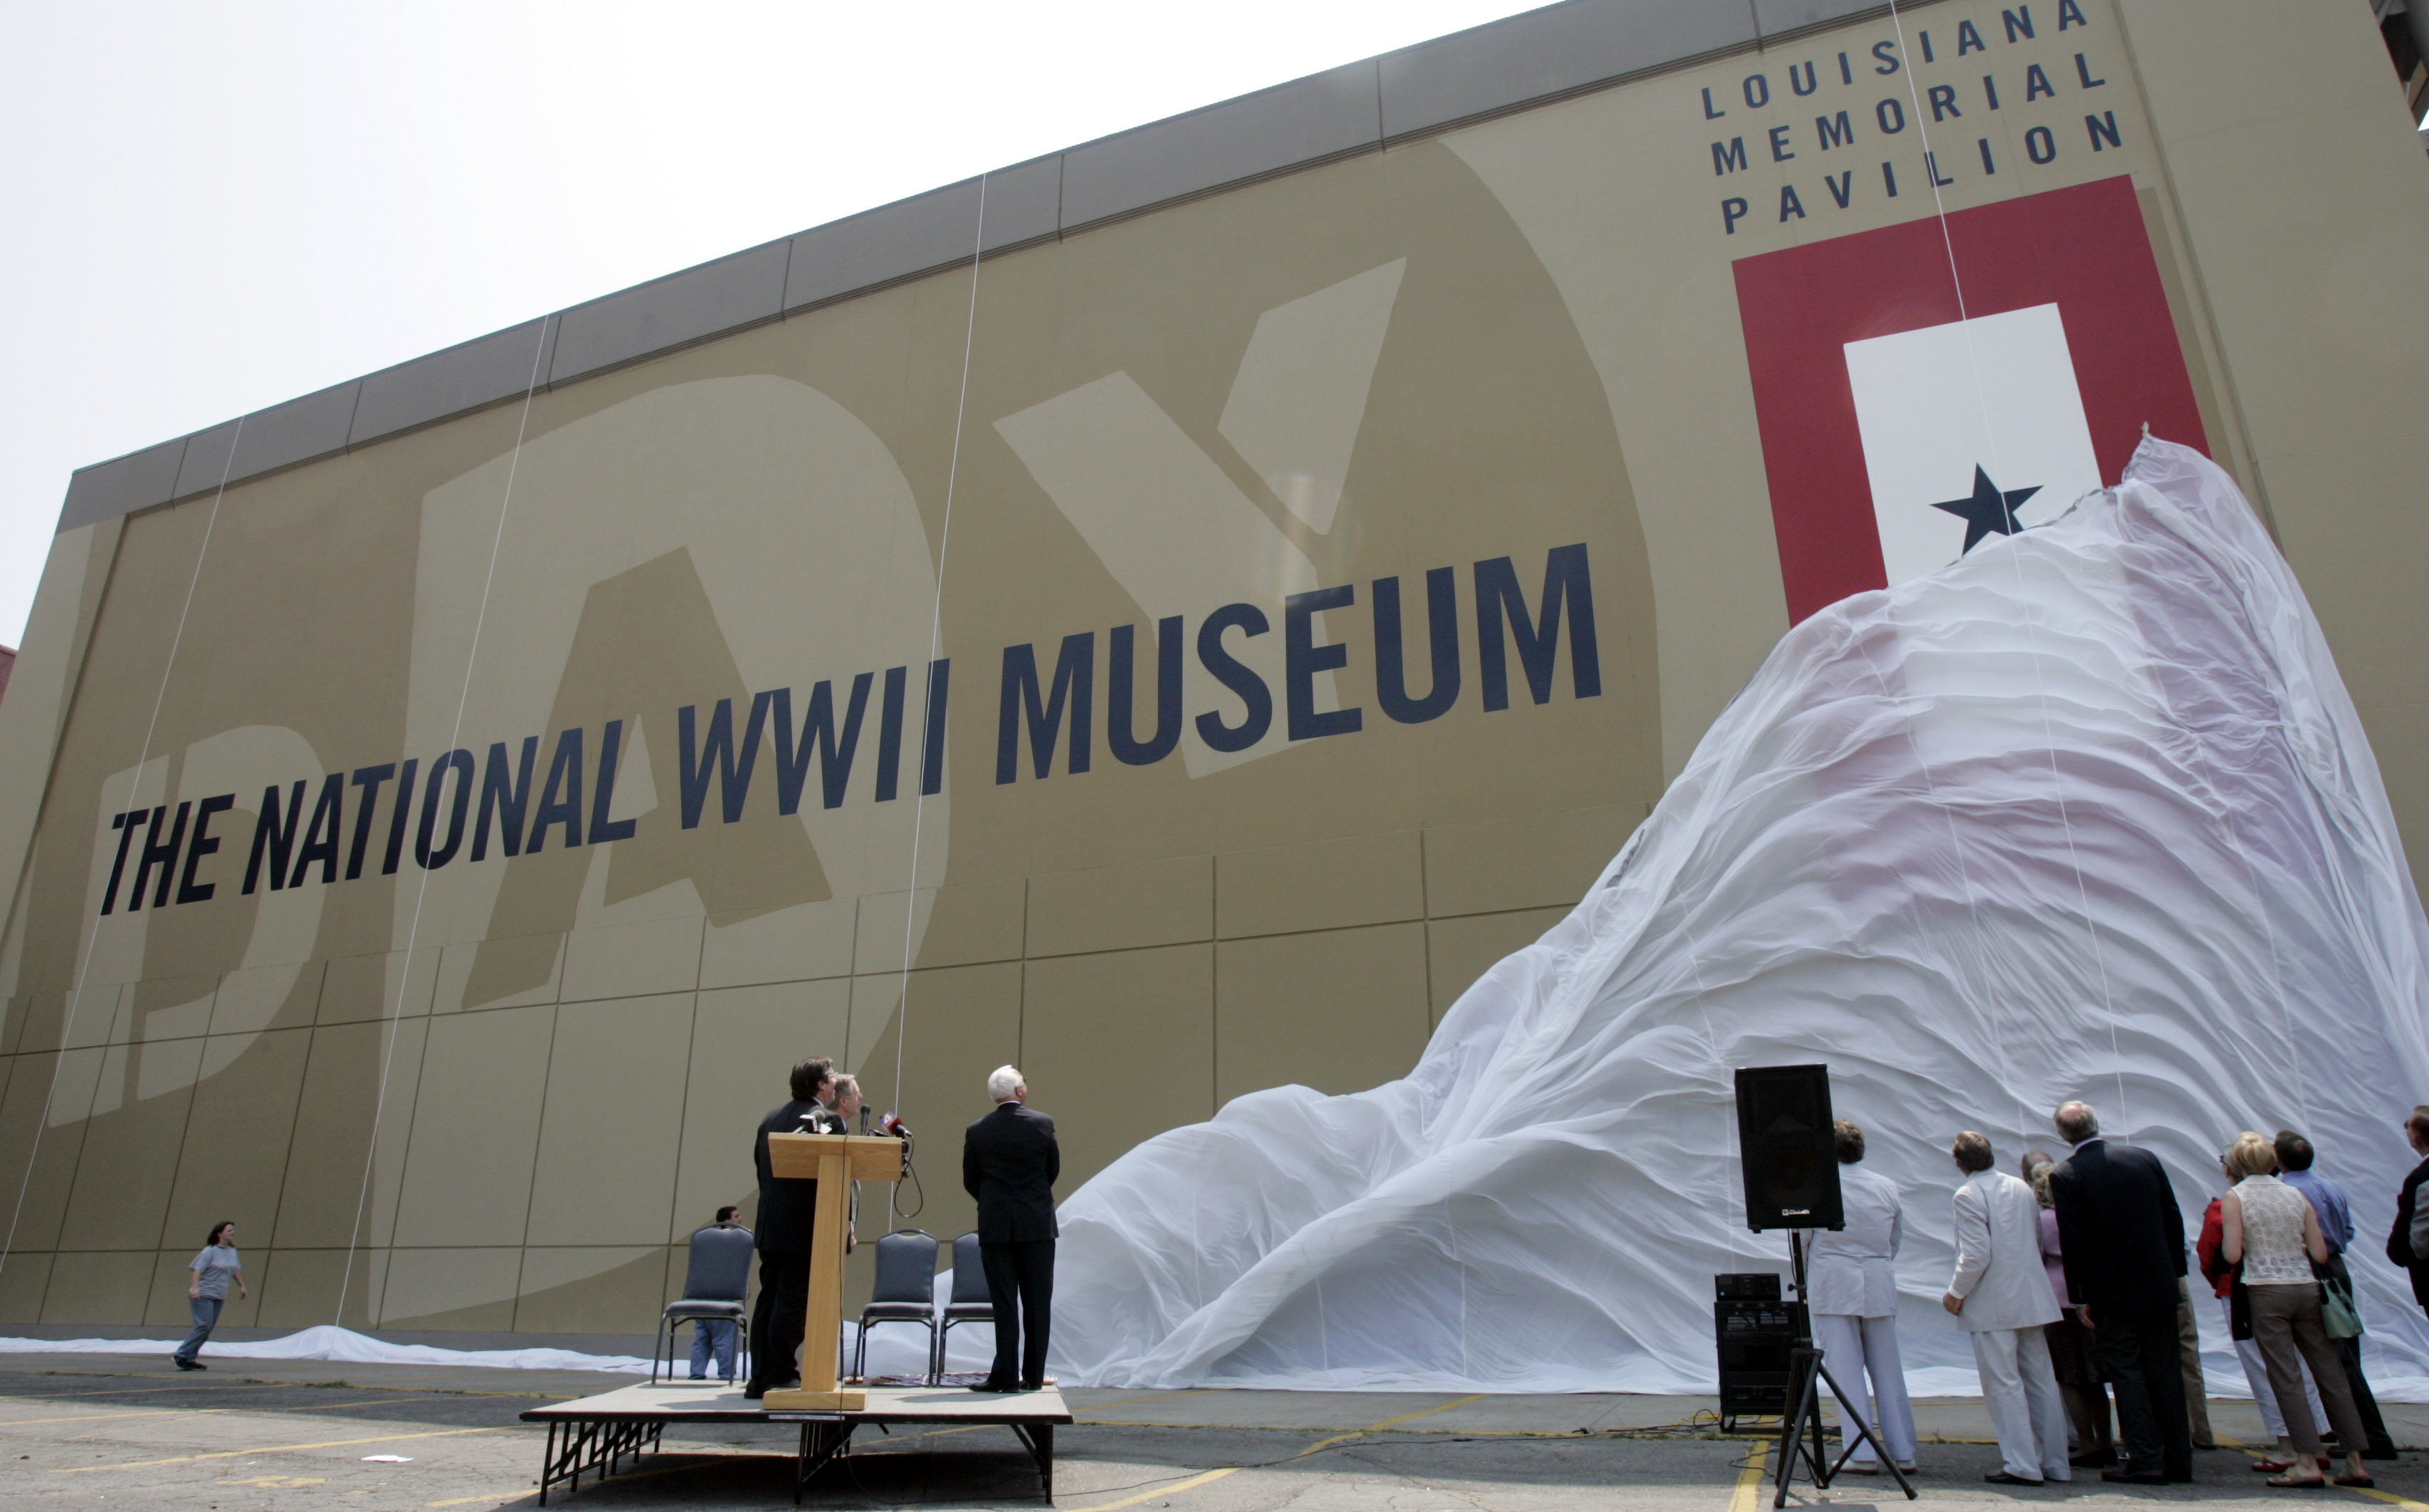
[(1806, 1375)]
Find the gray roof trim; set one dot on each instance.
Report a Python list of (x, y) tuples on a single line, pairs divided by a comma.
[(1534, 58)]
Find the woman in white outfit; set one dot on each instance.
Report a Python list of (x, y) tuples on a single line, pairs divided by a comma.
[(1852, 1284)]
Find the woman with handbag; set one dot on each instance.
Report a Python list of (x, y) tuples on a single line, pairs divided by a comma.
[(2270, 1232), (2221, 1275)]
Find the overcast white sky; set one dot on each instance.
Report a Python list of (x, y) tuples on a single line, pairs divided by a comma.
[(211, 208)]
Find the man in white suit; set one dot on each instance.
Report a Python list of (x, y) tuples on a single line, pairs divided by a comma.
[(2001, 1295)]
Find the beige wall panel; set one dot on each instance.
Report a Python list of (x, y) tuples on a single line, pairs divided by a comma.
[(611, 1129), (323, 1201), (301, 1289), (359, 987), (268, 998), (2325, 366), (467, 1172), (1119, 908), (99, 744), (109, 1289), (57, 629), (22, 1278), (126, 1169), (46, 1149), (98, 1014), (1121, 1046), (2399, 737), (1460, 950), (233, 1160), (656, 956), (1329, 884), (471, 1288), (539, 958), (745, 1041), (14, 1013), (797, 943), (174, 1007), (960, 923), (1539, 861), (964, 1022), (565, 1291), (1340, 1010)]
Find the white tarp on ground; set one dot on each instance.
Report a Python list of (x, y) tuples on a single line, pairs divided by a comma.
[(894, 1349), (2087, 813)]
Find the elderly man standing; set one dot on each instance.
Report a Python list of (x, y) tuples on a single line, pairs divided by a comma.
[(2001, 1295), (2123, 1242), (2407, 1242), (1009, 1163)]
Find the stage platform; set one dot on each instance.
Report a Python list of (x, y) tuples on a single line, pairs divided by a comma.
[(595, 1433)]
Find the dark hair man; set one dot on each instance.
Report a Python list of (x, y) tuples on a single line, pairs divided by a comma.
[(2407, 1242), (2328, 1205), (1009, 1163), (2123, 1238), (788, 1208)]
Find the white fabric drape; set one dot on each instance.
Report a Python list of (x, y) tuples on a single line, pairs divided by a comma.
[(2086, 814)]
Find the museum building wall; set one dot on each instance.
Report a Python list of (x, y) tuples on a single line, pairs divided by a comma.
[(1175, 653)]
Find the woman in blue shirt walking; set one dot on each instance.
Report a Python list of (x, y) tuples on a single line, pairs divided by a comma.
[(214, 1268)]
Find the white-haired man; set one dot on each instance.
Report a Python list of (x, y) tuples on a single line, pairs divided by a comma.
[(1009, 1163), (2001, 1295)]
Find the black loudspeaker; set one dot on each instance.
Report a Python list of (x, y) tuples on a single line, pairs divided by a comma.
[(1785, 1143), (1755, 1340)]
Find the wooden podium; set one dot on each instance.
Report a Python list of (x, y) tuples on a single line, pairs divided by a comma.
[(834, 1162)]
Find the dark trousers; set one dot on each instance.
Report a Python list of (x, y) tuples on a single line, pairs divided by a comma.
[(1020, 1289), (779, 1316), (2349, 1355), (2138, 1347)]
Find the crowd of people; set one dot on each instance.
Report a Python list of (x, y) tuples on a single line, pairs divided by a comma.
[(2071, 1284)]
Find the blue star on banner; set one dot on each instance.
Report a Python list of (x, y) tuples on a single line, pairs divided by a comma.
[(1987, 511)]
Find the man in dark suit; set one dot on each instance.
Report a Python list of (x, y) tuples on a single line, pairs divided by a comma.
[(2403, 1251), (2123, 1238), (1009, 1163), (786, 1209)]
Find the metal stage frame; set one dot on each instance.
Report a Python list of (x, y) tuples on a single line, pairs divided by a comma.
[(595, 1434)]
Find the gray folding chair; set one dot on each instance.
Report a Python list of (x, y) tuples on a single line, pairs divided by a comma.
[(717, 1284), (905, 1290), (971, 1301)]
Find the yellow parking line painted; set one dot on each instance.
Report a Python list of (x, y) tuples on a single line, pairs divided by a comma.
[(696, 1462), (1132, 1400), (2389, 1497), (154, 1390), (1387, 1422), (1748, 1494), (1162, 1490), (197, 1412), (268, 1449), (1211, 1475)]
